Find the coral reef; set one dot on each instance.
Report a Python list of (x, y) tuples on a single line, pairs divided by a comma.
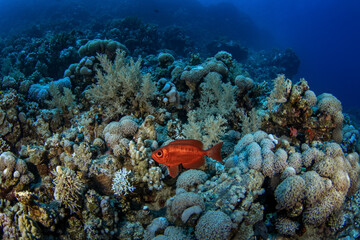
[(81, 113)]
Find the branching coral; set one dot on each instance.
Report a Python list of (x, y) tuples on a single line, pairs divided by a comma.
[(121, 182)]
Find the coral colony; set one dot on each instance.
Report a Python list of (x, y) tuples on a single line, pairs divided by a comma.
[(75, 149)]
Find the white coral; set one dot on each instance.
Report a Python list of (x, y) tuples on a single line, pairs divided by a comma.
[(121, 183)]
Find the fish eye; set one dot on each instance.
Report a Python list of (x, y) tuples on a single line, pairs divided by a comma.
[(159, 153)]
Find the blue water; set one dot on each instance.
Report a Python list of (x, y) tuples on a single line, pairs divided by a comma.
[(324, 34)]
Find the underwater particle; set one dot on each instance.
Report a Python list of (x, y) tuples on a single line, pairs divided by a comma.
[(121, 183), (213, 225), (289, 192), (68, 188), (286, 226)]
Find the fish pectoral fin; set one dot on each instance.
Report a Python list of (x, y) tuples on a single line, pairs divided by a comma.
[(173, 170), (196, 163)]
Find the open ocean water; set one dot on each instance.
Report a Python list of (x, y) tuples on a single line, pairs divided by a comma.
[(97, 97)]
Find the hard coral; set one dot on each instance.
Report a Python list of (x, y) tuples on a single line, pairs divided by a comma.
[(214, 225), (177, 205), (190, 179), (121, 182), (98, 46), (289, 192)]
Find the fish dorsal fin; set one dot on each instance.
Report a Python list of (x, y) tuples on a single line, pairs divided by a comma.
[(193, 142), (173, 170)]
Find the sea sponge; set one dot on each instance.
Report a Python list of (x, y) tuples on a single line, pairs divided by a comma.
[(314, 187), (190, 179), (286, 226), (289, 192), (214, 225)]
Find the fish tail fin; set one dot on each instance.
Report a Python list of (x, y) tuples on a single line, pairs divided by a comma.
[(215, 152)]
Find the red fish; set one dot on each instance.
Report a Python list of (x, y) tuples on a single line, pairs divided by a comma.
[(187, 152)]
